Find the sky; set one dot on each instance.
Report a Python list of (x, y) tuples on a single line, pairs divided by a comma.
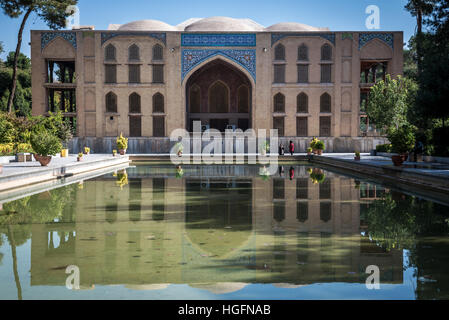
[(338, 15)]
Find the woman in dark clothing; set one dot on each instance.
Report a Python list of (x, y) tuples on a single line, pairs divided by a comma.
[(291, 147), (281, 150)]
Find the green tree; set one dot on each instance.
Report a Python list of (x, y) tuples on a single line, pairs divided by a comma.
[(22, 100), (23, 62), (389, 102), (53, 12), (419, 9)]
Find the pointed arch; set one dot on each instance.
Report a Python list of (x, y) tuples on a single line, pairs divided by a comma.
[(218, 97), (279, 52), (158, 103), (134, 53), (111, 102), (302, 103), (326, 52), (303, 52), (195, 99), (279, 103), (110, 53), (158, 53), (325, 103), (134, 103), (243, 99)]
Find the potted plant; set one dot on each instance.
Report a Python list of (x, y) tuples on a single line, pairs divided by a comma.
[(179, 148), (45, 145), (264, 148), (313, 145), (264, 173), (122, 179), (357, 156), (317, 176), (179, 172), (309, 151), (86, 151), (402, 141), (114, 153), (64, 133), (122, 144), (320, 147), (80, 157)]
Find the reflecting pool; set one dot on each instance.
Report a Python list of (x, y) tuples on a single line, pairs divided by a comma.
[(223, 232)]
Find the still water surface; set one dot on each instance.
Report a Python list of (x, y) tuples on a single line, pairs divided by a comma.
[(224, 232)]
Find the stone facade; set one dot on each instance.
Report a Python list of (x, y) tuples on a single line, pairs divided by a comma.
[(186, 53)]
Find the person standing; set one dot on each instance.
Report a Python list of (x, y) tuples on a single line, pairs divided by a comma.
[(291, 148), (281, 150)]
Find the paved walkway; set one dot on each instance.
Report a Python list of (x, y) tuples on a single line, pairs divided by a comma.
[(14, 168), (436, 169)]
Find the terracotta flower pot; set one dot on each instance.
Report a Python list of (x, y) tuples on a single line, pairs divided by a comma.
[(1, 168), (357, 158), (79, 159), (44, 161), (397, 160), (179, 153), (122, 152), (319, 152)]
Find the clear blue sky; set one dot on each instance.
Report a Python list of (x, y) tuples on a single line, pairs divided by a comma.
[(338, 15)]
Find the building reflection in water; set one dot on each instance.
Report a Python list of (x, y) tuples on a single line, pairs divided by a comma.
[(215, 225)]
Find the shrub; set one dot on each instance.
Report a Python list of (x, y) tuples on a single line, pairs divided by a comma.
[(24, 148), (122, 142), (319, 145), (45, 144), (384, 148), (6, 149), (402, 139), (313, 143)]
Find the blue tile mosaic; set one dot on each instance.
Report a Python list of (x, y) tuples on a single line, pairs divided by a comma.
[(275, 37), (193, 57), (218, 40), (364, 38), (161, 36), (47, 37)]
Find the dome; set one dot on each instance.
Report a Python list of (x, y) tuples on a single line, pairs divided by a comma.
[(293, 26), (147, 25), (219, 24)]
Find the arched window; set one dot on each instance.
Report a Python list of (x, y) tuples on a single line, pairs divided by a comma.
[(158, 103), (303, 53), (326, 52), (243, 99), (218, 98), (325, 103), (195, 99), (109, 53), (134, 103), (279, 52), (158, 52), (133, 53), (302, 103), (279, 103), (111, 103)]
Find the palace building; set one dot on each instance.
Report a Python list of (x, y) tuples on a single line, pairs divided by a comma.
[(148, 78)]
